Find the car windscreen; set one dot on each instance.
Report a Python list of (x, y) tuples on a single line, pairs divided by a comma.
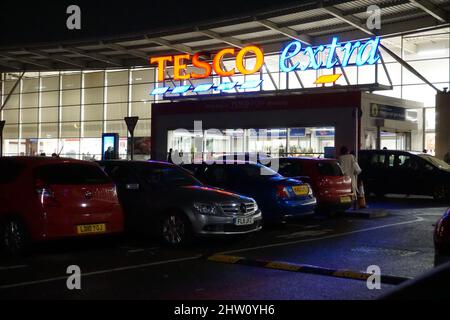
[(9, 170), (254, 171), (441, 164), (71, 174), (167, 176), (290, 168), (329, 168)]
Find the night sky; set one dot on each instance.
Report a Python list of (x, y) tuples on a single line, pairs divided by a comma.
[(23, 22)]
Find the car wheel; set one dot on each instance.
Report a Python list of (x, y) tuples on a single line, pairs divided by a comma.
[(14, 237), (441, 192), (176, 229)]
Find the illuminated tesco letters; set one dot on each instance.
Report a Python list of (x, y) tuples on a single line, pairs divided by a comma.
[(199, 60), (313, 61), (322, 56)]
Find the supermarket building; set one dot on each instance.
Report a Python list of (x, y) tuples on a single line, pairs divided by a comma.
[(61, 97)]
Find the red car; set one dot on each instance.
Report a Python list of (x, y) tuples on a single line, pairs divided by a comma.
[(332, 189), (48, 198), (442, 235)]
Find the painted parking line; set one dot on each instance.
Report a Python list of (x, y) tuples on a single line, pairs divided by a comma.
[(21, 266), (100, 272), (304, 268), (331, 236)]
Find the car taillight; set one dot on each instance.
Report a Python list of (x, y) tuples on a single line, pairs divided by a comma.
[(282, 192), (45, 193)]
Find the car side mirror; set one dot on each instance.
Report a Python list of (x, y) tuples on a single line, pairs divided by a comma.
[(132, 186)]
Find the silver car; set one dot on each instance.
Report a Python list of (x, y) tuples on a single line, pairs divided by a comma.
[(165, 200)]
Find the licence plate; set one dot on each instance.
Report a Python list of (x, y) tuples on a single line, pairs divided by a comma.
[(300, 190), (91, 228), (243, 221), (346, 199)]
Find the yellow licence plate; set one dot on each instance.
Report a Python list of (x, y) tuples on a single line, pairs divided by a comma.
[(346, 199), (91, 228), (301, 190)]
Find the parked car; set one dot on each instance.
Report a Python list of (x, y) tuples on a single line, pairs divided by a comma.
[(442, 235), (230, 158), (331, 187), (279, 198), (403, 172), (164, 200), (49, 198)]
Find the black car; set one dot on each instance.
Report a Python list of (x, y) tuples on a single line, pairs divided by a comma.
[(164, 200), (404, 172)]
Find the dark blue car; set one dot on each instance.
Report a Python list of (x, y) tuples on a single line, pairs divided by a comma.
[(279, 198)]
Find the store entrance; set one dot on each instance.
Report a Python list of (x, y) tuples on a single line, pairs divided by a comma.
[(214, 143), (395, 140)]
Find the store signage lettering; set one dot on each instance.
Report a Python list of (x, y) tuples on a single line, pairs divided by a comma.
[(199, 60), (366, 53)]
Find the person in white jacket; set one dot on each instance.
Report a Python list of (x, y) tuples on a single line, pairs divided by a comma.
[(350, 168)]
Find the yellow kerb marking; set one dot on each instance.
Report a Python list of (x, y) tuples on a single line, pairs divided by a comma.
[(224, 258), (282, 266)]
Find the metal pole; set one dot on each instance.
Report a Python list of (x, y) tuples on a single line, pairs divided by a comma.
[(2, 125), (132, 146)]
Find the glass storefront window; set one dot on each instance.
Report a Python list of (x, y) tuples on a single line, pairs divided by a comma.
[(70, 148), (70, 114), (29, 130), (93, 112), (48, 146), (93, 79), (11, 116), (49, 114), (114, 78), (92, 129), (116, 111), (141, 92), (13, 102), (117, 94), (142, 76), (49, 130), (29, 115), (143, 128), (141, 109), (70, 129), (91, 148), (30, 85), (116, 126), (50, 99), (9, 85), (93, 95), (70, 97), (430, 118), (71, 81), (30, 100), (50, 83)]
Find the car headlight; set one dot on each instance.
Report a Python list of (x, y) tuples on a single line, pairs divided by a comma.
[(206, 208), (256, 205), (310, 191)]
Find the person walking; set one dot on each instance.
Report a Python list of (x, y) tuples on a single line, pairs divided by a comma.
[(351, 169), (169, 156)]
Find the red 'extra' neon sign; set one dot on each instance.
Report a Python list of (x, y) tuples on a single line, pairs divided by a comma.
[(199, 60)]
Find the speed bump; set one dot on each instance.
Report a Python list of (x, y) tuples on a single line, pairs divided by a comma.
[(304, 268)]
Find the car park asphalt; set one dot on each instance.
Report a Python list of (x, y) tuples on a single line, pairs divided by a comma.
[(401, 244)]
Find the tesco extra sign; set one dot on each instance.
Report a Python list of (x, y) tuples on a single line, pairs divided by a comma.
[(317, 57)]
